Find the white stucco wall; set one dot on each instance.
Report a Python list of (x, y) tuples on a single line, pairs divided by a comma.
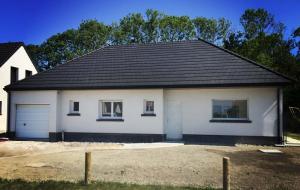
[(35, 97), (197, 110), (133, 105), (21, 60)]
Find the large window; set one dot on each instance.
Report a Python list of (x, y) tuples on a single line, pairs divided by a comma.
[(111, 109), (230, 109), (14, 75)]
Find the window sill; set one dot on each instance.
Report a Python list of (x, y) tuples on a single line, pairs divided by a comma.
[(73, 114), (110, 119), (148, 114), (229, 121)]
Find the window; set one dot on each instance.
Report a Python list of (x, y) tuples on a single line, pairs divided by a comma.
[(148, 106), (111, 109), (230, 109), (74, 107), (0, 107), (14, 72), (28, 73)]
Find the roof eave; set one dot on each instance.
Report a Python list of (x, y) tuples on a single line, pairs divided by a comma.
[(276, 84)]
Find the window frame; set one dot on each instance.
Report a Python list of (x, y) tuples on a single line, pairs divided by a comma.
[(145, 107), (230, 119), (72, 102), (112, 102)]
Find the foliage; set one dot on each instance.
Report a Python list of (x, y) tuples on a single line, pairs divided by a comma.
[(152, 27), (212, 30)]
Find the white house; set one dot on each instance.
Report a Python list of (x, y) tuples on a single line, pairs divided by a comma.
[(15, 64), (190, 90)]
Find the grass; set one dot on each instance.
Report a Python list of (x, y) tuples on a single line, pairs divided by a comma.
[(18, 184), (294, 136)]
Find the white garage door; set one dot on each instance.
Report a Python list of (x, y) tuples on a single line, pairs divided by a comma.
[(32, 121)]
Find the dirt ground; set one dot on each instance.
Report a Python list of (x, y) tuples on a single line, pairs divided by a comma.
[(192, 165)]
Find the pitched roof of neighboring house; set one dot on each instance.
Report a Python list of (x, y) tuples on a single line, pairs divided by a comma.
[(7, 50), (155, 65)]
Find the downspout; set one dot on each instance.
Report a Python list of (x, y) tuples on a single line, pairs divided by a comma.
[(8, 131), (280, 116)]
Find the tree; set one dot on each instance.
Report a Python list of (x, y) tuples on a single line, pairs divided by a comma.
[(35, 54), (296, 35), (130, 30), (175, 28), (151, 26), (58, 49), (91, 35), (211, 30), (259, 21)]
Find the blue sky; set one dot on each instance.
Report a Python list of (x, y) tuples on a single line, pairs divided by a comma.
[(33, 21)]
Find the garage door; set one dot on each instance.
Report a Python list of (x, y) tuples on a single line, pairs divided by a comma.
[(32, 121)]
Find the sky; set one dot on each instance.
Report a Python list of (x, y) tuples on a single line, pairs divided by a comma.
[(33, 21)]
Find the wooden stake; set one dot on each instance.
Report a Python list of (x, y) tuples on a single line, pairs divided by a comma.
[(226, 174), (87, 173)]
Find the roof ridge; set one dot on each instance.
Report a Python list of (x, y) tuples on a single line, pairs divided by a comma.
[(149, 43), (248, 60)]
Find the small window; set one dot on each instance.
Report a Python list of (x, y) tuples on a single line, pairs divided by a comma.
[(28, 73), (230, 109), (111, 109), (149, 106), (0, 107), (74, 107), (14, 72)]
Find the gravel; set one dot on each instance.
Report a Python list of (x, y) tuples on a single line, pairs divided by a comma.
[(192, 165)]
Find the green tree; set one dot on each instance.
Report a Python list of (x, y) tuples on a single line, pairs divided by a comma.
[(91, 35), (58, 49), (212, 30), (151, 26), (296, 36), (173, 28), (130, 30), (259, 21)]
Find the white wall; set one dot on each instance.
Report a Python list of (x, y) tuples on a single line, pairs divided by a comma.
[(197, 110), (132, 109), (20, 60), (35, 97)]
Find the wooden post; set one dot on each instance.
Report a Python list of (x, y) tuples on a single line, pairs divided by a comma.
[(87, 172), (226, 174)]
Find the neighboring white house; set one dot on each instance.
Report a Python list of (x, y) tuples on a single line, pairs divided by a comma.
[(15, 65), (189, 90)]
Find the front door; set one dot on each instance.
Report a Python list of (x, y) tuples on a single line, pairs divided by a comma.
[(174, 123)]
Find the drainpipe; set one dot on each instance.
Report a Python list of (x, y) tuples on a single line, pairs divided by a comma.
[(8, 131), (280, 116), (62, 136)]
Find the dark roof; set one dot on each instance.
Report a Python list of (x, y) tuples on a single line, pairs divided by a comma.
[(156, 65), (7, 50)]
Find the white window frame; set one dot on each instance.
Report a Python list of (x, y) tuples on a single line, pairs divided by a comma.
[(71, 106), (145, 107), (216, 118), (112, 109)]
